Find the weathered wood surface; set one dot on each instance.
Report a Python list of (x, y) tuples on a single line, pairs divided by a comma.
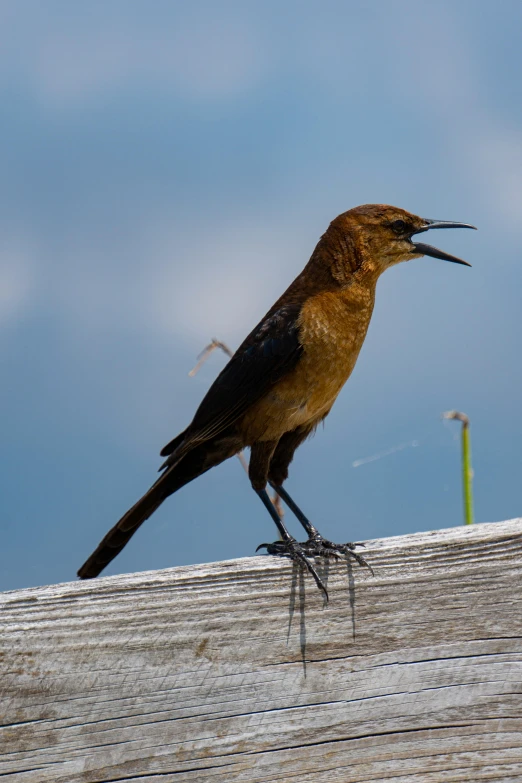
[(237, 671)]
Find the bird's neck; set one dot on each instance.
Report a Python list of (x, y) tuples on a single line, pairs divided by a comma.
[(339, 268), (339, 264), (338, 289)]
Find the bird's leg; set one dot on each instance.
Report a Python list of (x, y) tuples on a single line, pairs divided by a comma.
[(260, 455), (317, 546), (294, 508), (288, 546)]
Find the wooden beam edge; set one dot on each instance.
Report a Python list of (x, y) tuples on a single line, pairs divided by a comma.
[(390, 547)]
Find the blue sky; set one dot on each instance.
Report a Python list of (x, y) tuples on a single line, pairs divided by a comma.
[(167, 169)]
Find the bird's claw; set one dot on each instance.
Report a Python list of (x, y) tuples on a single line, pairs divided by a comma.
[(297, 552), (317, 546)]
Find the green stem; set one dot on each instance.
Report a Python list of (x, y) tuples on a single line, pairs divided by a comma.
[(467, 470), (467, 474)]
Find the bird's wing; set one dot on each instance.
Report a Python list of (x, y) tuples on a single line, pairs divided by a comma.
[(270, 351)]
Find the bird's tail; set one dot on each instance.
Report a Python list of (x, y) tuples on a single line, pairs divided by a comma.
[(191, 465), (125, 528)]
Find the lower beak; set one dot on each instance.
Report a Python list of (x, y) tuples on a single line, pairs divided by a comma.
[(428, 250)]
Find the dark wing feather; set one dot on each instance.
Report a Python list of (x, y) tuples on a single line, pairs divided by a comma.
[(270, 351)]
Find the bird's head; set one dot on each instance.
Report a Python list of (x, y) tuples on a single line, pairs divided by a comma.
[(384, 235)]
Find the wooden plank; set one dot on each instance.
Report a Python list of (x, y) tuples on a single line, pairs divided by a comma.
[(237, 671)]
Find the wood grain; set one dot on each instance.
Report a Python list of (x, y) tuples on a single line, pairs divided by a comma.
[(237, 671)]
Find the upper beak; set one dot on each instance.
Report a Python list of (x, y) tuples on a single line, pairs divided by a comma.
[(428, 250)]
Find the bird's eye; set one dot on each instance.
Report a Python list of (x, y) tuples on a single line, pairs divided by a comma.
[(399, 226)]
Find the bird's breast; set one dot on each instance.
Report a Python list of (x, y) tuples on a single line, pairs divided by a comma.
[(332, 328)]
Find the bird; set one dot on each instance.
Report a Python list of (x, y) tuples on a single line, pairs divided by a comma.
[(285, 376)]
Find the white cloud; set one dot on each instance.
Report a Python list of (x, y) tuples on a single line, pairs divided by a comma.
[(446, 82), (176, 281), (226, 281), (230, 273), (208, 53)]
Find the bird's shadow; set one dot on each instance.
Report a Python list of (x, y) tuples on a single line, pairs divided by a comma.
[(351, 592), (298, 592), (297, 587)]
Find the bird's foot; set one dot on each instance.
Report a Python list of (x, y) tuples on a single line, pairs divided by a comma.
[(317, 546), (297, 552)]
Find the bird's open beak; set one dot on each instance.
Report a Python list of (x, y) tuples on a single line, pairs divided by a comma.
[(428, 250)]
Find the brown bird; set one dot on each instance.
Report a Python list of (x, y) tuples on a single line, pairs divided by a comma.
[(284, 378)]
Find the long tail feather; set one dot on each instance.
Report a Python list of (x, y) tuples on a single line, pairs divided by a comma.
[(190, 466), (125, 528)]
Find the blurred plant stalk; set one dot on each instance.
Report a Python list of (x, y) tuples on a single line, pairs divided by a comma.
[(467, 470)]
